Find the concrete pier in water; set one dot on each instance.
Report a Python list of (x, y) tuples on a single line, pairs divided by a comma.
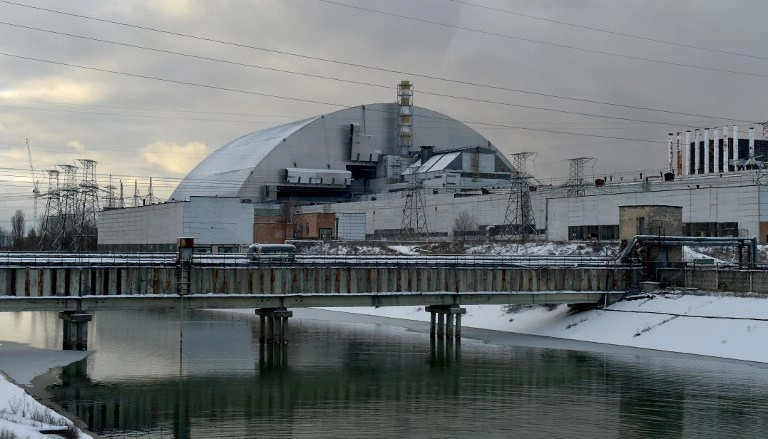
[(445, 321), (75, 330), (273, 325)]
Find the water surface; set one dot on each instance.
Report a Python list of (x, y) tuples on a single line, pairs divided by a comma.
[(342, 379)]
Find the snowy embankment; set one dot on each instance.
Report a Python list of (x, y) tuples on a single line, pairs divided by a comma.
[(716, 326), (21, 416)]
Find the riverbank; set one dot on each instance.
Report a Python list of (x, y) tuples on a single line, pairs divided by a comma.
[(21, 415), (709, 325)]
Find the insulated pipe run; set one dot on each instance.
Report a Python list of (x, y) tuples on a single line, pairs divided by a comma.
[(706, 151), (688, 152)]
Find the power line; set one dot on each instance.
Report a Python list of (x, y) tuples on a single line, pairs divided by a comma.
[(363, 66), (546, 43), (213, 87), (173, 81), (175, 110), (530, 107), (622, 34)]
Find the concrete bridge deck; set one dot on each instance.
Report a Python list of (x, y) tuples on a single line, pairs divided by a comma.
[(295, 286), (76, 291), (220, 301)]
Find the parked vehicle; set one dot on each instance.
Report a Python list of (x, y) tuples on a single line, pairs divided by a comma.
[(272, 252)]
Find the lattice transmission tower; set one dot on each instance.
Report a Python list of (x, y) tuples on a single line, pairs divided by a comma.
[(70, 210), (762, 172), (136, 200), (88, 206), (111, 200), (576, 185), (414, 224), (51, 228), (519, 221)]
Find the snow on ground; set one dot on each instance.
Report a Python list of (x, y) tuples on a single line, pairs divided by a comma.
[(22, 417), (404, 249), (690, 255), (22, 363), (716, 326), (20, 414), (544, 249)]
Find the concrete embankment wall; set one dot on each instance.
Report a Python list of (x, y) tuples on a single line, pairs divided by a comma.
[(70, 281), (713, 279)]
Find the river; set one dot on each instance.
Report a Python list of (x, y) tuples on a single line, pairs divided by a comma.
[(364, 377)]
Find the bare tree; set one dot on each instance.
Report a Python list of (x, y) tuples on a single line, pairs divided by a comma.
[(17, 230), (289, 217), (5, 238), (465, 222)]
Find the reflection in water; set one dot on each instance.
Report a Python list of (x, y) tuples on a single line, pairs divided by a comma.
[(444, 353), (354, 380)]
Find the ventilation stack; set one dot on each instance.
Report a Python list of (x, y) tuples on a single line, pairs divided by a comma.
[(405, 118)]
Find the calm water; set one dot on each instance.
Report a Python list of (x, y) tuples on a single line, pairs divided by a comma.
[(373, 380)]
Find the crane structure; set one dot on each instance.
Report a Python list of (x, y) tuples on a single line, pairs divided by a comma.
[(35, 186)]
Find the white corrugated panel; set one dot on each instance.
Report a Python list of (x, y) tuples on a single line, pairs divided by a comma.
[(445, 160), (351, 226)]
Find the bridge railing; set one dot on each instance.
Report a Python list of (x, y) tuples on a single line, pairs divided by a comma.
[(242, 259), (85, 259), (458, 260)]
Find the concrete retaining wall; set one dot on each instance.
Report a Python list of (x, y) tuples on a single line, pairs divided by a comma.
[(712, 279)]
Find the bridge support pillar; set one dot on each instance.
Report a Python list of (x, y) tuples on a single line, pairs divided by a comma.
[(75, 330), (448, 321), (273, 324)]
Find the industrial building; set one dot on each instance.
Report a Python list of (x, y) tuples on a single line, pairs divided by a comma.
[(398, 171)]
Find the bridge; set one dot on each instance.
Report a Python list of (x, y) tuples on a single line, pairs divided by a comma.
[(79, 284)]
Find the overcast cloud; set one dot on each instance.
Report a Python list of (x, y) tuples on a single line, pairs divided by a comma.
[(137, 128)]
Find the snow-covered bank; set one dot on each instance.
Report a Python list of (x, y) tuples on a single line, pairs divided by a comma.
[(716, 326), (21, 416)]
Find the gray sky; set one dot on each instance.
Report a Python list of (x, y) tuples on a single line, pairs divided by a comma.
[(137, 128)]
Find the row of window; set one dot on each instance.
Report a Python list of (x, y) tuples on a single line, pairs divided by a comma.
[(611, 232)]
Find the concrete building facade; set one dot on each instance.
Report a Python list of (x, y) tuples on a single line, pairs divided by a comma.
[(218, 224), (361, 166)]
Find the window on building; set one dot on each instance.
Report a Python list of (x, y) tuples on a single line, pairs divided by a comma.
[(593, 232), (711, 229)]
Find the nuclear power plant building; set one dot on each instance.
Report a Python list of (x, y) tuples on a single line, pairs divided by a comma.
[(398, 171)]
